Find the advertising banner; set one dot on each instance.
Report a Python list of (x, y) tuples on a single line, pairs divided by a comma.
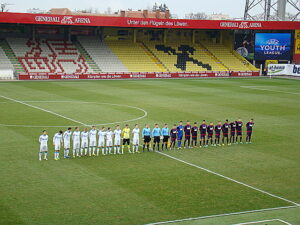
[(272, 46), (284, 69), (117, 21), (112, 76)]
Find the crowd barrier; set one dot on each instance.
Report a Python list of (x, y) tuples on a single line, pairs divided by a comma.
[(150, 75)]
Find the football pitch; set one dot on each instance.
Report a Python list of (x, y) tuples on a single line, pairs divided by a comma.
[(255, 183)]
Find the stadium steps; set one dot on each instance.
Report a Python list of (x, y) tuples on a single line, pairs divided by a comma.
[(133, 56), (213, 56), (200, 54), (102, 55), (87, 57), (11, 56), (242, 59), (154, 57), (228, 57)]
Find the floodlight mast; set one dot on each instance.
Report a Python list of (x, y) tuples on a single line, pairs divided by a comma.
[(271, 10)]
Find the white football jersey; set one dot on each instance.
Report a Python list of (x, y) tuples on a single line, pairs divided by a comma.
[(67, 136), (57, 139), (109, 135), (76, 136), (43, 139), (84, 136), (117, 134), (93, 134), (136, 133), (101, 135)]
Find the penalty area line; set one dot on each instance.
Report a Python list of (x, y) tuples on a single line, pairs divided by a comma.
[(263, 221), (223, 215), (45, 110), (230, 179), (264, 89)]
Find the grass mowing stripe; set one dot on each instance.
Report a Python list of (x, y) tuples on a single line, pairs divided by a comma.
[(228, 178), (222, 215), (45, 110)]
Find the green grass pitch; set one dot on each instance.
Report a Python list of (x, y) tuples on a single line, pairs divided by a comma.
[(149, 187)]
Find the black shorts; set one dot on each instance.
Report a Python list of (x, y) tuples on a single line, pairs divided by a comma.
[(239, 133), (194, 138), (147, 139), (217, 136), (232, 133), (210, 136), (173, 139), (202, 136), (225, 134), (126, 141), (157, 139), (166, 138), (249, 133), (187, 137)]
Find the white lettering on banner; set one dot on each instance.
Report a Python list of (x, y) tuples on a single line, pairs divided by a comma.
[(70, 76), (272, 47), (47, 19), (241, 25), (64, 20), (157, 23)]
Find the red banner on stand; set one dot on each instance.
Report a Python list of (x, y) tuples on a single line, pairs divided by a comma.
[(113, 76)]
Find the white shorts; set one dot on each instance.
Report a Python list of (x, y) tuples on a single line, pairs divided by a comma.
[(136, 141), (109, 143), (93, 143), (43, 148), (67, 144), (84, 144), (57, 146), (118, 141), (76, 145), (101, 143)]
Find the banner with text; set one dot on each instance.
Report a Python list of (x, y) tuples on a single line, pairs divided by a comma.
[(112, 76), (284, 69)]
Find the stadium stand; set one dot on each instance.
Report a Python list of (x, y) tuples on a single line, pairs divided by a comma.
[(102, 55), (49, 56), (185, 57), (135, 56), (91, 55), (4, 61), (229, 58), (10, 56)]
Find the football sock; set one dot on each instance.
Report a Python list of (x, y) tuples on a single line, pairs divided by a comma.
[(40, 156), (153, 147), (143, 147), (45, 155)]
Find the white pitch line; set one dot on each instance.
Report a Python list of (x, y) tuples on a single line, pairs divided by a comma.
[(100, 124), (45, 110), (228, 178), (222, 215), (262, 221), (264, 89)]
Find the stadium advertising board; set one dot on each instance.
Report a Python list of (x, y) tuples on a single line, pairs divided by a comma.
[(284, 69), (297, 47), (275, 46), (112, 76), (109, 21)]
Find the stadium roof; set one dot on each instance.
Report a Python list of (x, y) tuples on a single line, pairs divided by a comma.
[(83, 20)]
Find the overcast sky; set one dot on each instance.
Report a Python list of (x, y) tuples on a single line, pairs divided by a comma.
[(234, 8)]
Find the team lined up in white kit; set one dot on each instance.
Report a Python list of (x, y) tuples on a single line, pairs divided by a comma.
[(85, 142)]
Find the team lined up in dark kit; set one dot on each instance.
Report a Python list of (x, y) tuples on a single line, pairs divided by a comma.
[(215, 135)]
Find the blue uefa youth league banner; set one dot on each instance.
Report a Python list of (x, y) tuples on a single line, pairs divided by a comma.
[(272, 46)]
